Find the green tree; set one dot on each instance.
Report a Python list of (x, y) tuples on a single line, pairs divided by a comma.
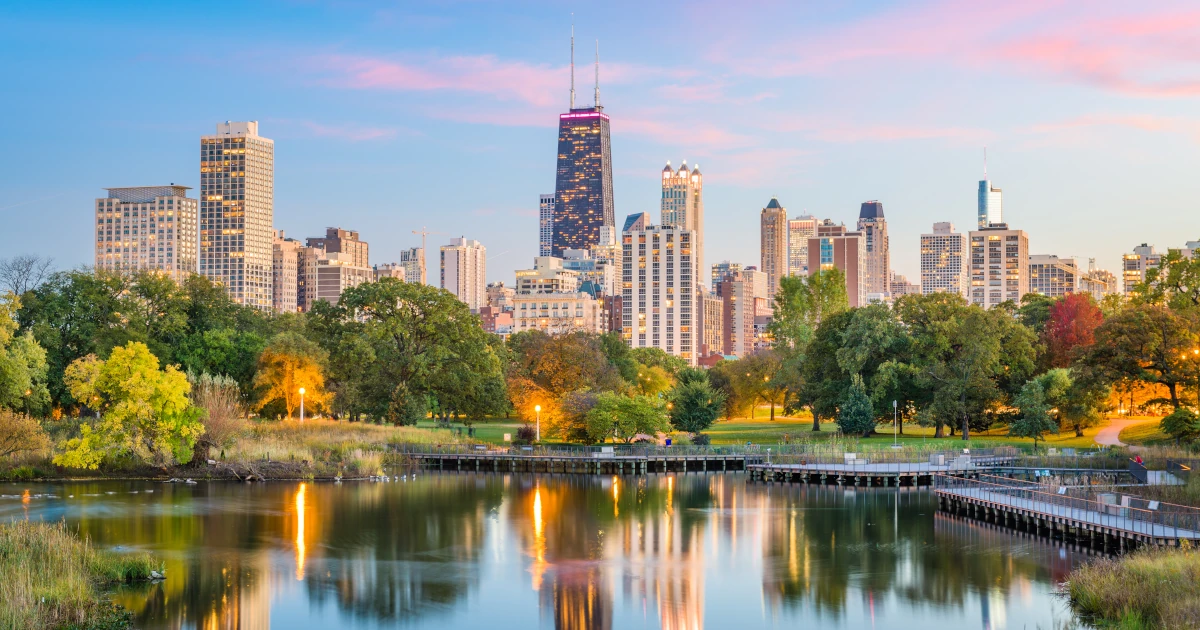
[(824, 380), (425, 341), (542, 370), (855, 416), (693, 405), (1174, 282), (1147, 343), (1181, 424), (801, 304), (23, 369), (657, 357), (1034, 420), (288, 364), (225, 351), (1034, 311), (652, 380), (146, 412), (625, 417)]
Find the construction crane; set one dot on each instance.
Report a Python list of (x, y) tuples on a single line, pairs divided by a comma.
[(424, 233)]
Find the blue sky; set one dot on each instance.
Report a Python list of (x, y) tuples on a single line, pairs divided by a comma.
[(390, 116)]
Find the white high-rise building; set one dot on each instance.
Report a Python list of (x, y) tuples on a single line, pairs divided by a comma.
[(683, 205), (1052, 276), (147, 227), (944, 260), (999, 267), (237, 204), (545, 224), (658, 291), (800, 230), (464, 271)]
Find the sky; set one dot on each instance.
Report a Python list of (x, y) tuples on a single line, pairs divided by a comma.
[(389, 117)]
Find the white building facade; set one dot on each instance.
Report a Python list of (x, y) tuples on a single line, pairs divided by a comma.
[(464, 271), (147, 228), (658, 291)]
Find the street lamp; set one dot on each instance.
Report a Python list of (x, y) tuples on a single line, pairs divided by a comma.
[(538, 410), (895, 425), (301, 404)]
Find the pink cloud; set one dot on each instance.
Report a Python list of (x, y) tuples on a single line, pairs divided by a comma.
[(540, 84), (1141, 50), (1143, 122), (351, 132)]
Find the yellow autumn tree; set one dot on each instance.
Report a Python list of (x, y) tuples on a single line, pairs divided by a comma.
[(288, 363)]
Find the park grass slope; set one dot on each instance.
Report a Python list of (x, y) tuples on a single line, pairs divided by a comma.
[(53, 579)]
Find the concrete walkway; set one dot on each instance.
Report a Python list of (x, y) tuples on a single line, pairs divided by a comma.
[(1111, 434)]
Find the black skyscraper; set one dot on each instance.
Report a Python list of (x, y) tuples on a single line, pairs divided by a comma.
[(583, 191)]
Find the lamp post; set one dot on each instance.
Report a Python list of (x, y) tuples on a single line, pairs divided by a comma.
[(301, 404), (895, 425), (538, 410)]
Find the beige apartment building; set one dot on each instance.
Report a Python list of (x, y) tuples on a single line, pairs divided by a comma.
[(743, 296), (464, 271), (147, 228), (658, 291), (999, 265), (835, 248), (237, 203), (800, 230), (877, 273), (285, 271), (557, 313), (944, 260), (683, 205)]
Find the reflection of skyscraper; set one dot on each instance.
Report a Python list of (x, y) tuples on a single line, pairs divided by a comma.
[(583, 191)]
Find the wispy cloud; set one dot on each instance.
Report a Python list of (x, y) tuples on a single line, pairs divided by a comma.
[(1143, 122), (349, 132)]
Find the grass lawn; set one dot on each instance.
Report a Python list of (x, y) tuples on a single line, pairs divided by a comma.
[(1148, 433), (761, 430), (491, 431)]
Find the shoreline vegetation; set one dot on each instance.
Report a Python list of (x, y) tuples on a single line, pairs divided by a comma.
[(54, 579), (1149, 588)]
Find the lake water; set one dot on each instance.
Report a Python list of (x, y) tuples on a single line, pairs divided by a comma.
[(522, 551)]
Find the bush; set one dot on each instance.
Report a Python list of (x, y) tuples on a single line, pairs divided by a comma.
[(856, 416), (701, 439), (526, 434), (1182, 424), (223, 422), (20, 434), (365, 464)]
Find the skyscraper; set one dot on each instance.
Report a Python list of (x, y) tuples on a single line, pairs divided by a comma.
[(878, 258), (658, 289), (774, 227), (835, 248), (683, 204), (743, 296), (999, 269), (583, 190), (148, 227), (800, 230), (237, 205), (545, 225), (411, 267), (944, 266), (722, 269), (464, 271)]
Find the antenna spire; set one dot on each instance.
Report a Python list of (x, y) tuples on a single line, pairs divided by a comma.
[(572, 61), (597, 74), (985, 162)]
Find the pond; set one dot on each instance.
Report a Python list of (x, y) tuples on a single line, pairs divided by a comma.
[(524, 551)]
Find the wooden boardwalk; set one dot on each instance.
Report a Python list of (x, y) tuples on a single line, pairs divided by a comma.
[(1036, 509), (867, 473), (581, 464)]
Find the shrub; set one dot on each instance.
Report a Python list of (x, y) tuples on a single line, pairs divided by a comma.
[(20, 434), (1158, 588), (526, 434), (1182, 424), (701, 439), (223, 422), (363, 464)]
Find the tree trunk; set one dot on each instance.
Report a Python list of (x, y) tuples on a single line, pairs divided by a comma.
[(1171, 387), (966, 428), (1079, 430), (772, 411), (816, 422), (937, 432)]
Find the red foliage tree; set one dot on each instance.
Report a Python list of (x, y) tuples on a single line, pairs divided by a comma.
[(1073, 321)]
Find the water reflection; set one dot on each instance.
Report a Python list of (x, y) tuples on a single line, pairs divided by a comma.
[(511, 551)]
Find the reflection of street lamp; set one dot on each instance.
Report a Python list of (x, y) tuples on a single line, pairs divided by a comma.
[(301, 404), (538, 410)]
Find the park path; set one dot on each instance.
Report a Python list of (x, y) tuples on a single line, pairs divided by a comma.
[(1111, 434)]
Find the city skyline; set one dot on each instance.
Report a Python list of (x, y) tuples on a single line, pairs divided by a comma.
[(1098, 144)]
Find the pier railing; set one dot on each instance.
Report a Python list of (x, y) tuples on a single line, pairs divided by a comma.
[(1116, 510)]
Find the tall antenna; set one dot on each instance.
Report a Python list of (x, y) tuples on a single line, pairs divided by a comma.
[(572, 61), (985, 162), (597, 74)]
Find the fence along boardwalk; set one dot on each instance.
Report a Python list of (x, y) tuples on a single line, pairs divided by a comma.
[(1034, 508)]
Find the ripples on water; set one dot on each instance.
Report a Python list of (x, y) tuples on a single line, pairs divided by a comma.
[(518, 551)]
